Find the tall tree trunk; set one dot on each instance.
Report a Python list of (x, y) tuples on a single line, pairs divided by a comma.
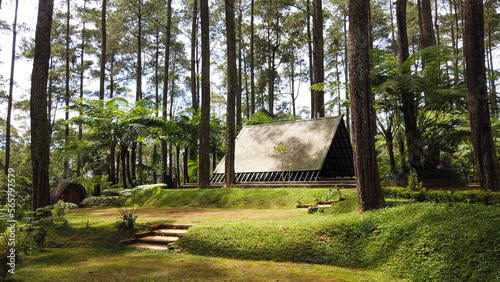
[(185, 166), (427, 30), (402, 158), (164, 146), (232, 89), (102, 76), (82, 71), (310, 54), (204, 162), (252, 63), (239, 114), (408, 99), (112, 169), (346, 74), (157, 101), (194, 28), (493, 92), (123, 152), (11, 92), (436, 25), (318, 57), (479, 114), (67, 92), (363, 131), (40, 127)]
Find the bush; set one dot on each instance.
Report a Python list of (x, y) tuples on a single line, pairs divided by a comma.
[(470, 196)]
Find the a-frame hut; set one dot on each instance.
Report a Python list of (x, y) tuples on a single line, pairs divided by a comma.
[(317, 149), (74, 193)]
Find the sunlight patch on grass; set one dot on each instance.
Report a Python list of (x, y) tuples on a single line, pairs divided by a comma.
[(138, 265)]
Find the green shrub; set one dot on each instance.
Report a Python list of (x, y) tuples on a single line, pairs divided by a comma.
[(469, 196), (413, 183)]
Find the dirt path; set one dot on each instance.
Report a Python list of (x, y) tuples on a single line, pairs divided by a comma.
[(185, 216)]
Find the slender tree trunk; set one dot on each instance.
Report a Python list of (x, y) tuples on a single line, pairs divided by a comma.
[(479, 114), (117, 176), (239, 114), (408, 99), (164, 146), (185, 167), (157, 101), (318, 57), (346, 74), (123, 152), (82, 71), (40, 127), (232, 89), (204, 162), (428, 38), (402, 158), (310, 54), (67, 92), (493, 92), (103, 51), (252, 66), (363, 132), (194, 28), (112, 169), (436, 25), (11, 92)]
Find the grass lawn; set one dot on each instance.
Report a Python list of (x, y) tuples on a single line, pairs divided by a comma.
[(258, 234), (86, 264)]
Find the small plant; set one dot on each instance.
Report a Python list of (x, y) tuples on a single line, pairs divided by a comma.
[(312, 210), (40, 236), (126, 220), (59, 209), (413, 183)]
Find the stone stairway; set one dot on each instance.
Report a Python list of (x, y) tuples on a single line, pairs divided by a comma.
[(159, 236)]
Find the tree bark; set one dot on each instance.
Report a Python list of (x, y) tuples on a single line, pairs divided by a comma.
[(479, 114), (204, 161), (194, 28), (11, 90), (232, 87), (102, 77), (164, 146), (427, 30), (40, 127), (252, 63), (67, 92), (362, 113), (408, 99), (318, 57)]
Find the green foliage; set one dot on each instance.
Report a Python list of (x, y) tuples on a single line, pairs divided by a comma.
[(413, 183), (59, 209), (126, 220), (468, 196)]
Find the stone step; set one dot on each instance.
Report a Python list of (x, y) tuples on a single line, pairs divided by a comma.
[(169, 232), (156, 239), (149, 246), (169, 226)]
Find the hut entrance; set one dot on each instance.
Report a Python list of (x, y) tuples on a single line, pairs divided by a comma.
[(73, 193)]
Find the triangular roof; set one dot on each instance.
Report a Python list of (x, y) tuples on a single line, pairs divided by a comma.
[(309, 143)]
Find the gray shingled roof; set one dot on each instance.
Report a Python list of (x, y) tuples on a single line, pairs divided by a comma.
[(308, 142)]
